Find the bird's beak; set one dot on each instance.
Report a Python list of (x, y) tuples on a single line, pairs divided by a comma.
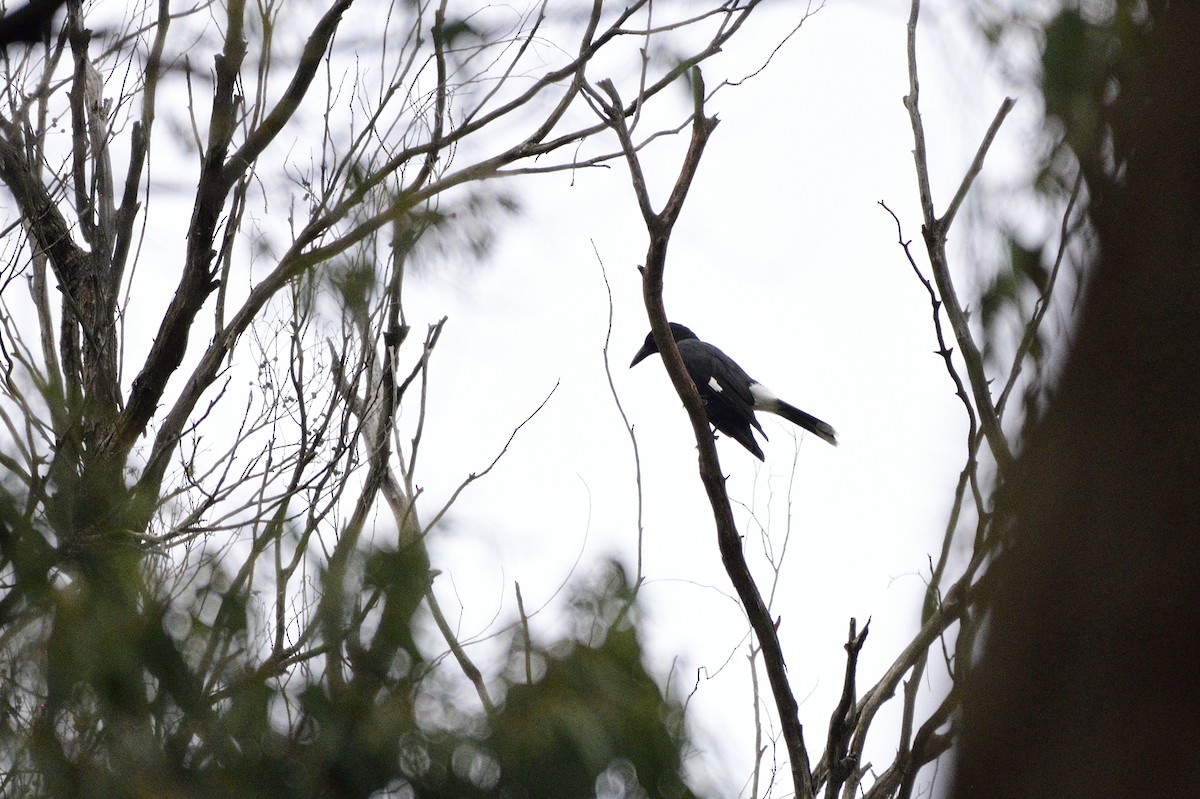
[(646, 350)]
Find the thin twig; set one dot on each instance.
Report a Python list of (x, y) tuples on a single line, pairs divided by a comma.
[(473, 476), (525, 635), (935, 231), (465, 664), (1006, 105), (637, 459)]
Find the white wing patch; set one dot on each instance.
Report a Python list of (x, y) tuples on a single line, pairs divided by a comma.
[(714, 385)]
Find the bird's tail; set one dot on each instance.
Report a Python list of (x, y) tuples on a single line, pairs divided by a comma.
[(801, 419)]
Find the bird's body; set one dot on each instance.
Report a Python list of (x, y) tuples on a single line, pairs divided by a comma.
[(730, 395), (29, 23)]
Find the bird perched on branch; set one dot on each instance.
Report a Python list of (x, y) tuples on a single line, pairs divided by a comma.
[(730, 395)]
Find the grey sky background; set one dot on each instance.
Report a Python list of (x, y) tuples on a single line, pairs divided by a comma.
[(783, 259)]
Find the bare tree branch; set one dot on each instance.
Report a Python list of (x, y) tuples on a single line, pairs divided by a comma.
[(659, 226), (843, 722), (935, 230)]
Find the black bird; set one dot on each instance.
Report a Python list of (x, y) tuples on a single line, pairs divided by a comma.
[(730, 395), (29, 23)]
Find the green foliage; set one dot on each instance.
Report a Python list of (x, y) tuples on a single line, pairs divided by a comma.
[(125, 694), (1078, 64), (1010, 298), (595, 708), (596, 713), (465, 230), (1092, 54)]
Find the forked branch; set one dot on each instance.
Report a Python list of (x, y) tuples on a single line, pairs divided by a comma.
[(936, 229)]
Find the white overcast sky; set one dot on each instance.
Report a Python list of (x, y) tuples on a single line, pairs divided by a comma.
[(783, 259)]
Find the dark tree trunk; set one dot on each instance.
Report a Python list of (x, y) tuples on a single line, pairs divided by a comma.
[(1088, 680)]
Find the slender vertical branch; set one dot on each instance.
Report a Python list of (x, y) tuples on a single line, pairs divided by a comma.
[(659, 226), (637, 458), (935, 231), (842, 722), (526, 640), (468, 667)]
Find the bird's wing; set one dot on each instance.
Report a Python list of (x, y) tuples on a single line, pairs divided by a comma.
[(724, 386)]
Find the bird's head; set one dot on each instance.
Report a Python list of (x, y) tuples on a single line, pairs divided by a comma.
[(678, 331)]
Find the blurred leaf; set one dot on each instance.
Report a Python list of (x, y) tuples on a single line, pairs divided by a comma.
[(467, 226), (1010, 297), (1092, 50), (1077, 63), (455, 30), (1028, 263), (353, 280), (595, 707), (403, 576)]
